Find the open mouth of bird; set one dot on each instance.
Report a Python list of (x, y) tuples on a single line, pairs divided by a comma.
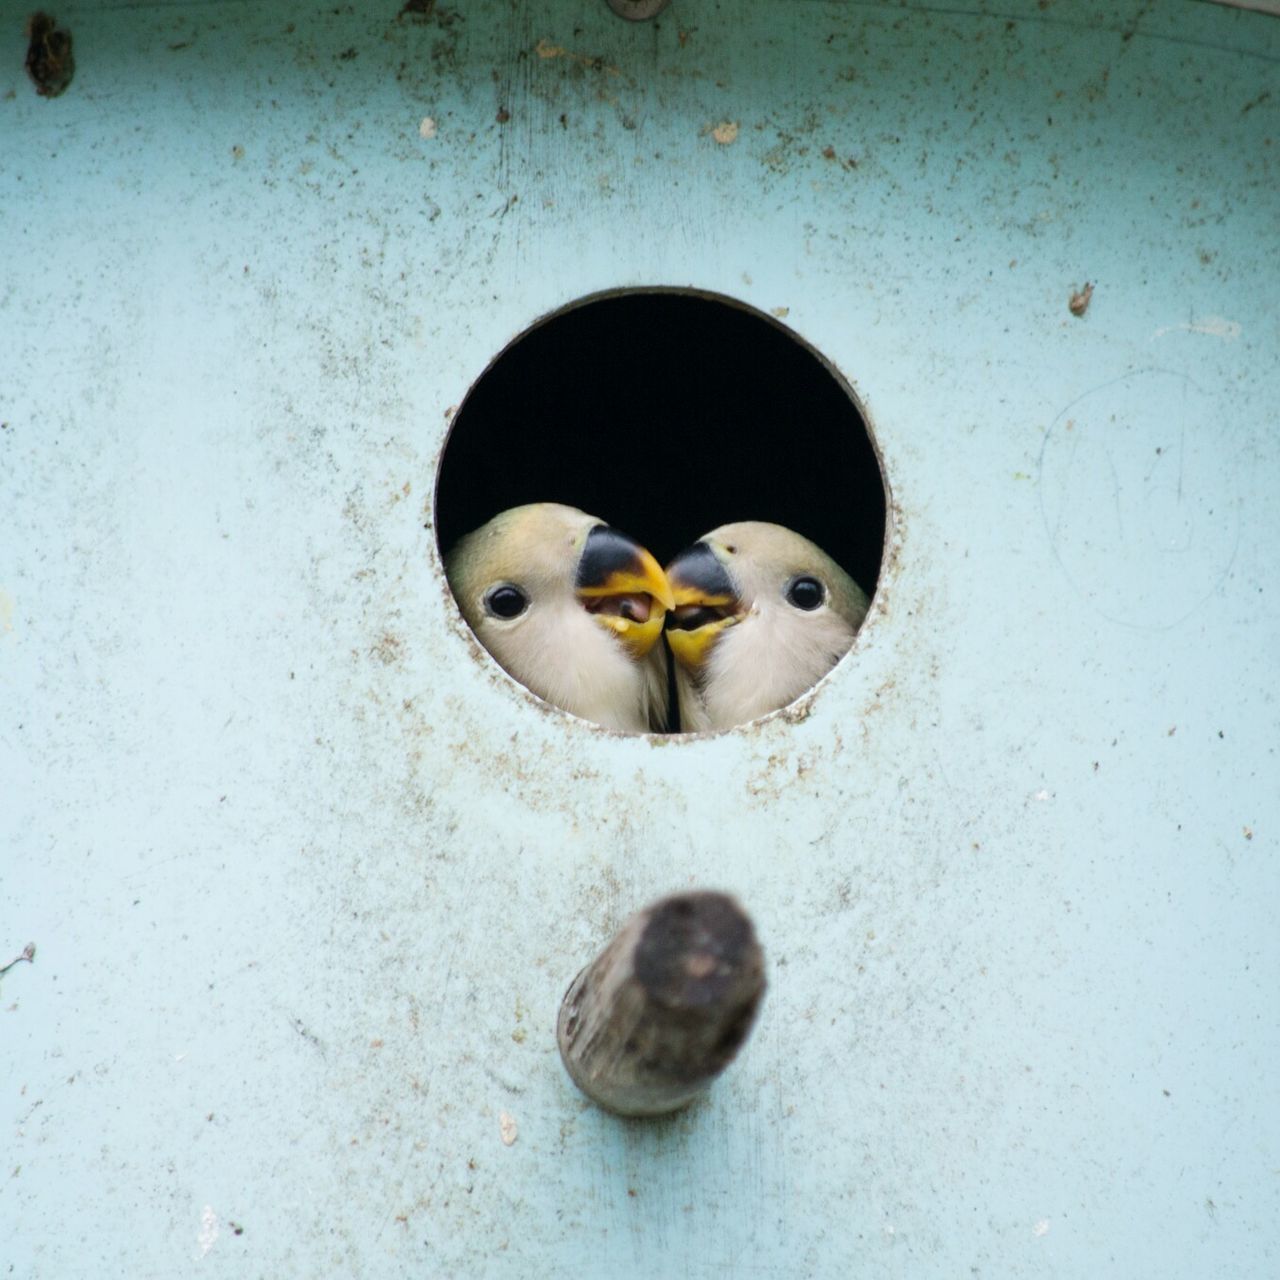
[(707, 603), (623, 588), (633, 606), (634, 617), (693, 630), (691, 617)]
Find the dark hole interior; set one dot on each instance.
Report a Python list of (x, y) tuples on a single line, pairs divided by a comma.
[(667, 414)]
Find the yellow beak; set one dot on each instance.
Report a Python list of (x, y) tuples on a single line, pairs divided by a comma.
[(706, 603), (691, 648), (624, 589)]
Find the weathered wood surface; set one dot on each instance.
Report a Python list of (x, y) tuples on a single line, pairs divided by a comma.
[(665, 1007)]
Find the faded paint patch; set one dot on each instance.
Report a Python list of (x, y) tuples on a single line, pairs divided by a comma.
[(725, 132), (427, 129), (1041, 1228), (6, 612)]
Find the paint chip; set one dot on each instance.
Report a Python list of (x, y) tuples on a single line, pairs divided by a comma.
[(208, 1232), (725, 132), (780, 313), (1041, 1228), (1248, 833), (427, 129), (507, 1128)]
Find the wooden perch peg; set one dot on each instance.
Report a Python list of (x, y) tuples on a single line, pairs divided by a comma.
[(665, 1007)]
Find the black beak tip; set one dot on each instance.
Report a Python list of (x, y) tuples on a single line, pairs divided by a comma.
[(699, 568), (607, 552)]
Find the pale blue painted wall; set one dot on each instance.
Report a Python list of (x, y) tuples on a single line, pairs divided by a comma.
[(305, 900)]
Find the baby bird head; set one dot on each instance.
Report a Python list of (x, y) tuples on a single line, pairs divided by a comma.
[(567, 605), (761, 614)]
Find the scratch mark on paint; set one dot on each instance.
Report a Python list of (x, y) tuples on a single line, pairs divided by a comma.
[(545, 50), (28, 954), (308, 1036), (1214, 326)]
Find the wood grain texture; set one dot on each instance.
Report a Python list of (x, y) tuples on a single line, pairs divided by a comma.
[(665, 1007)]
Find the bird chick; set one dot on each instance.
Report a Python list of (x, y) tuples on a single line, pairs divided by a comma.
[(571, 608), (761, 614)]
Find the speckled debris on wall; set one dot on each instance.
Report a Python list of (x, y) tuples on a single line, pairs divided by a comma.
[(299, 861)]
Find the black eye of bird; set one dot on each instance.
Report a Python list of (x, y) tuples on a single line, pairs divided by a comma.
[(805, 593), (506, 601)]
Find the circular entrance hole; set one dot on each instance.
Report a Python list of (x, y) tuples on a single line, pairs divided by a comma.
[(667, 414)]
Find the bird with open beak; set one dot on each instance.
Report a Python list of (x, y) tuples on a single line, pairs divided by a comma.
[(761, 615), (571, 608)]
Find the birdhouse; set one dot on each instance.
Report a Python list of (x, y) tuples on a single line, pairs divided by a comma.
[(298, 865)]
